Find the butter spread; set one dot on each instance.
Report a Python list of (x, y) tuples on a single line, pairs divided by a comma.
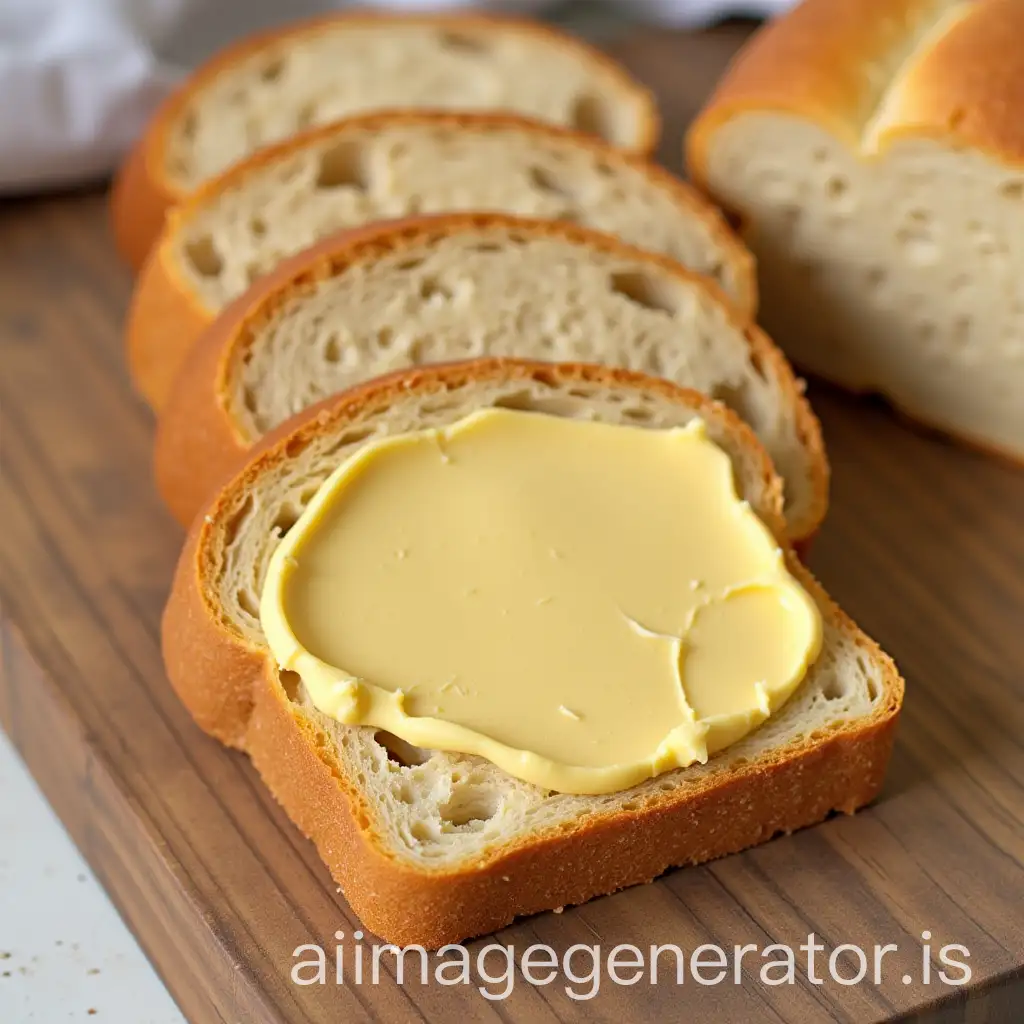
[(586, 605)]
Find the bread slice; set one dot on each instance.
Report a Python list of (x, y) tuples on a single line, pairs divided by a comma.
[(873, 151), (431, 847), (383, 167), (272, 85), (466, 285)]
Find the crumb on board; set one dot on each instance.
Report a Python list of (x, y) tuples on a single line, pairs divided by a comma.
[(557, 910)]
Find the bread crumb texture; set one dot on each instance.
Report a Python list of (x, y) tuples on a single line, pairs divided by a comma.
[(351, 66), (383, 171)]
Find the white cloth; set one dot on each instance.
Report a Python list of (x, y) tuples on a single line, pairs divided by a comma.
[(79, 78)]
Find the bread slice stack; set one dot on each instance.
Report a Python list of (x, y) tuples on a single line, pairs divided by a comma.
[(461, 286), (271, 86), (241, 225), (874, 153), (432, 847), (327, 267)]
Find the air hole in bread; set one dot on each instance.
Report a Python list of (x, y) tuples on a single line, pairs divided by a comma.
[(518, 400), (249, 399), (286, 519), (402, 753), (332, 349), (486, 247), (290, 683), (271, 71), (236, 521), (253, 272), (592, 115), (416, 351), (469, 804), (836, 186), (637, 414), (543, 179), (432, 290), (257, 226), (874, 691), (189, 124), (248, 603), (526, 401), (666, 786), (343, 165), (644, 290), (463, 42), (413, 263), (731, 395), (875, 276), (632, 805), (351, 437), (422, 832), (1013, 190), (820, 155), (570, 217), (203, 256), (305, 115), (833, 689)]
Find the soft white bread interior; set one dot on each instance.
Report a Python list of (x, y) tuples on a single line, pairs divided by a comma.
[(869, 151), (449, 812), (472, 286), (401, 165), (321, 71)]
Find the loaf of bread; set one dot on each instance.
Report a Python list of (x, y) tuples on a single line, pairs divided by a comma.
[(382, 167), (432, 847), (462, 286), (873, 151), (268, 87)]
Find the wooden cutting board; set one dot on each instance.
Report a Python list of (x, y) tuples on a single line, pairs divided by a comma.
[(924, 546)]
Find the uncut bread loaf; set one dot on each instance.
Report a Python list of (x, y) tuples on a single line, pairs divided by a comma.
[(433, 847), (464, 286), (390, 166), (873, 151), (275, 84)]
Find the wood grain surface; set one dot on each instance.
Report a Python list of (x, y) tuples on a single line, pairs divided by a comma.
[(923, 546)]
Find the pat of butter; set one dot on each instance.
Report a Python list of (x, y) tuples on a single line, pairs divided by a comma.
[(585, 605)]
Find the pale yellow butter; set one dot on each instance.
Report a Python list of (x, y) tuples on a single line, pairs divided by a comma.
[(585, 605)]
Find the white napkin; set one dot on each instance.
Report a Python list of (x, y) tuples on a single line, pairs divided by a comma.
[(79, 78)]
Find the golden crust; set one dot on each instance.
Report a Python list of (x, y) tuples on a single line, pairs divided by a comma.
[(198, 441), (162, 314), (137, 206), (145, 191), (154, 372), (968, 88), (233, 691), (811, 63)]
